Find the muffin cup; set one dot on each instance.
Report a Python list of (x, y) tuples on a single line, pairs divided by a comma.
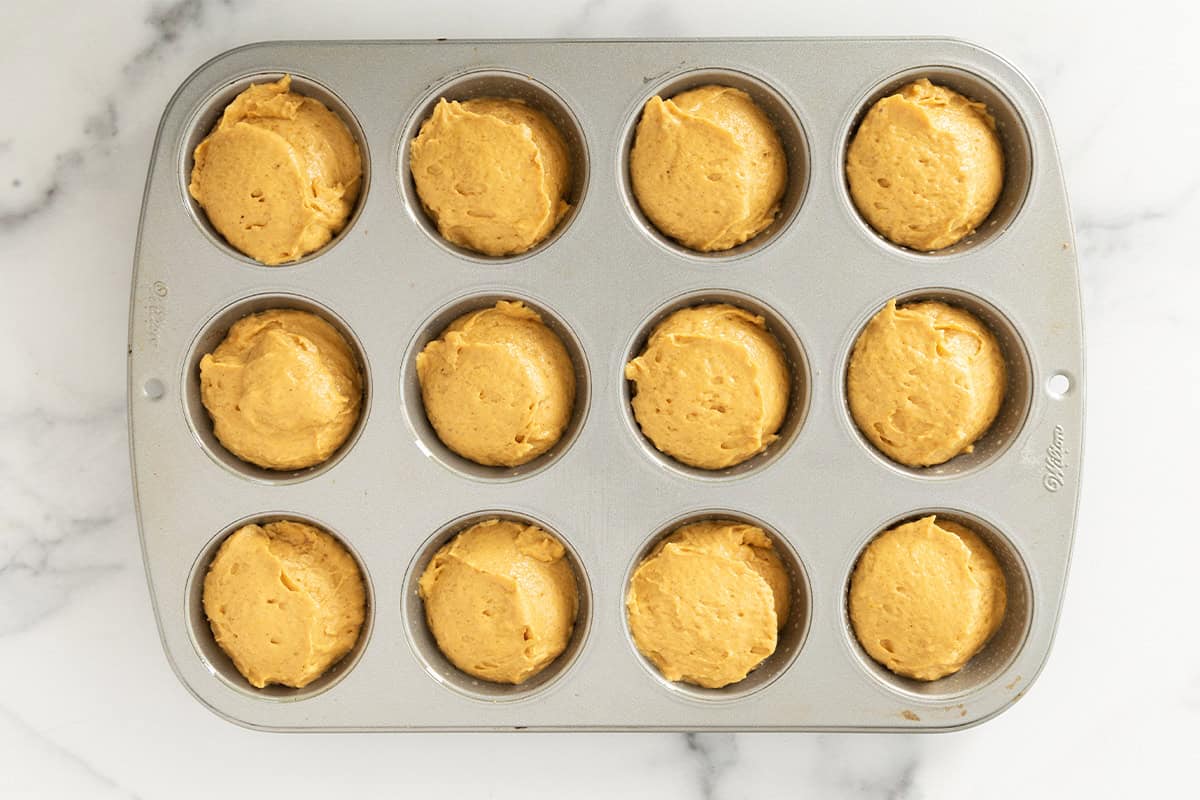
[(414, 407), (206, 116), (798, 398), (791, 635), (999, 651), (508, 85), (221, 665), (212, 334), (1019, 166), (1018, 393), (425, 647), (791, 135)]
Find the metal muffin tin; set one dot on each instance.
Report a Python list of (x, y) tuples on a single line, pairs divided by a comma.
[(393, 493)]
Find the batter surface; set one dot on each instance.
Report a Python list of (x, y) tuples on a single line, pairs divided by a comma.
[(285, 601), (707, 167), (493, 174), (279, 175), (711, 386), (705, 607), (498, 385), (283, 389), (925, 597), (501, 600), (926, 380), (926, 166)]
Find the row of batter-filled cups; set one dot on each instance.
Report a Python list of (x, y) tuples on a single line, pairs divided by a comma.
[(494, 165), (716, 605), (715, 384)]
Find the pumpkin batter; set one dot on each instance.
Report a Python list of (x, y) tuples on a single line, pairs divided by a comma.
[(493, 173), (712, 386), (925, 597), (283, 389), (498, 385), (501, 600), (926, 380), (279, 175), (926, 166), (707, 167), (706, 605), (285, 601)]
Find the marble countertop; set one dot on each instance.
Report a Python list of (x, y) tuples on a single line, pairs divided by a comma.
[(88, 704)]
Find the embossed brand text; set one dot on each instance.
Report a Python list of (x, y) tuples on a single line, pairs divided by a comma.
[(1056, 461)]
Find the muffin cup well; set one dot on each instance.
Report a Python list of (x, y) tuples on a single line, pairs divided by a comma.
[(791, 636), (509, 85), (414, 407), (221, 665), (791, 135), (1000, 651), (798, 399), (1018, 394), (425, 647), (207, 340), (208, 114), (1014, 140)]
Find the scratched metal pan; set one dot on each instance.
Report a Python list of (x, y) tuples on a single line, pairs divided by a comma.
[(393, 493)]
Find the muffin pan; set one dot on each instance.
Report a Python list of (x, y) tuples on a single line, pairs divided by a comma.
[(393, 493)]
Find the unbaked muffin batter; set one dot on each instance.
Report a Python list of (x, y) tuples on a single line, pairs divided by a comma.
[(711, 386), (926, 380), (926, 166), (925, 597), (493, 173), (501, 600), (279, 175), (707, 167), (498, 385), (285, 601), (705, 607), (283, 389)]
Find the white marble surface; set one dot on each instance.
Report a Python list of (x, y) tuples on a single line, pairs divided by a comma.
[(88, 705)]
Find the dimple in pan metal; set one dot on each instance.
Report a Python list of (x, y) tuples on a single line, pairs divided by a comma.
[(394, 493)]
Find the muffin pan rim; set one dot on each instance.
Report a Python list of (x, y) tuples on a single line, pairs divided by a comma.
[(211, 108), (1045, 194)]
